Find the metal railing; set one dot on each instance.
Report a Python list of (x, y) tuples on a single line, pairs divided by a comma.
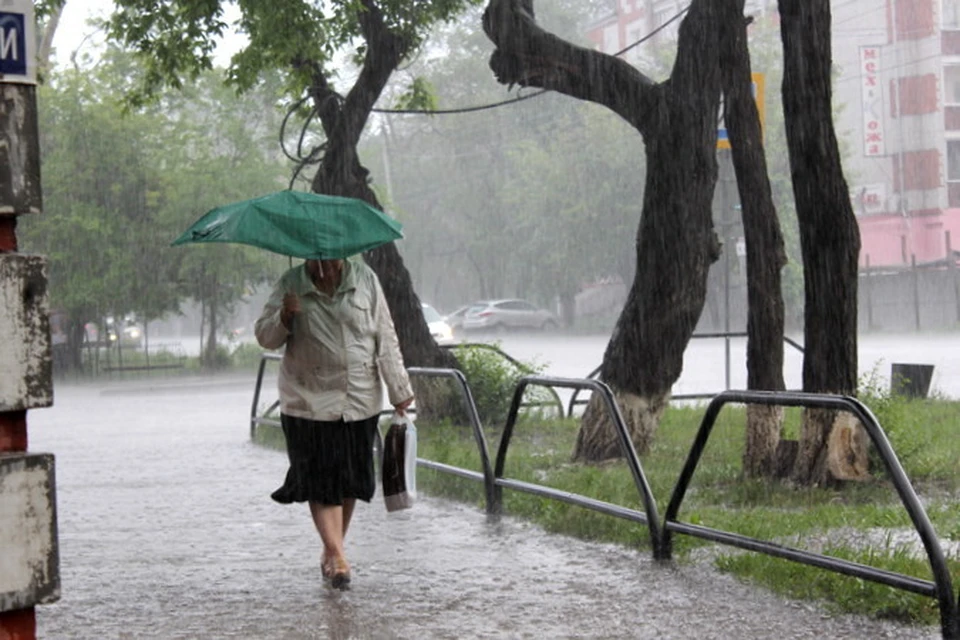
[(494, 481), (649, 517), (940, 588), (486, 477), (256, 420), (575, 401)]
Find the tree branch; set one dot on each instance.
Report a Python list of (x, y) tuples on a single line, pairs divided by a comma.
[(529, 56), (385, 51)]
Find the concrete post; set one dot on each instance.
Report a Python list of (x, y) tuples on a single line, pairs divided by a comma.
[(28, 534)]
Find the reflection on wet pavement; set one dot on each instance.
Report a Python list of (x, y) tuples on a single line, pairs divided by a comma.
[(167, 531)]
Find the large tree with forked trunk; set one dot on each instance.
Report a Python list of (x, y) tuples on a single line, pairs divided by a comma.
[(675, 242)]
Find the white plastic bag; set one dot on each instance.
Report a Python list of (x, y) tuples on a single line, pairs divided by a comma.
[(399, 473)]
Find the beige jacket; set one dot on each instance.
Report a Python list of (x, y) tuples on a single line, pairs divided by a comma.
[(339, 348)]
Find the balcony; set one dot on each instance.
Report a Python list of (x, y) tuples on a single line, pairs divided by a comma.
[(951, 117), (950, 41), (953, 194)]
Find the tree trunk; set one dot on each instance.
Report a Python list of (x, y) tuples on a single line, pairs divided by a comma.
[(45, 46), (71, 357), (829, 236), (766, 255), (210, 350), (416, 343), (146, 342), (597, 439), (340, 173), (568, 308), (675, 242)]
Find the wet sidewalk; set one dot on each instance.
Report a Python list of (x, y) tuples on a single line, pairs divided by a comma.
[(167, 531)]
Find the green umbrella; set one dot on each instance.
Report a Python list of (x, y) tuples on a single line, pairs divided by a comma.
[(297, 224)]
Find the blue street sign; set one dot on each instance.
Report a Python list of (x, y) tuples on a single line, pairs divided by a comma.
[(18, 46), (13, 44)]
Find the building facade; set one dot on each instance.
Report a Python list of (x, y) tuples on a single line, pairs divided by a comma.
[(898, 84), (897, 97)]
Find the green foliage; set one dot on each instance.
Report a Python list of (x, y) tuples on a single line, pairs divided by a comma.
[(419, 95), (119, 184), (493, 379), (873, 391), (917, 429), (218, 358), (44, 8), (246, 356), (175, 39), (894, 415), (843, 594)]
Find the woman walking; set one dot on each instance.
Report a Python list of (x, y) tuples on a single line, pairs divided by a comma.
[(340, 345)]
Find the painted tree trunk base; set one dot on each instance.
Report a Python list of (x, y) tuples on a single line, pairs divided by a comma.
[(598, 439), (847, 449), (764, 425), (833, 447)]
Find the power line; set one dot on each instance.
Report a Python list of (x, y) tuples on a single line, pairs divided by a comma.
[(463, 109)]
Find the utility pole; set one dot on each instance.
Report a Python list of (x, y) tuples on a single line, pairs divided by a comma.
[(728, 224), (28, 525)]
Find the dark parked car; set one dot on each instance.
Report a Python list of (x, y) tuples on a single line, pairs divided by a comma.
[(503, 315)]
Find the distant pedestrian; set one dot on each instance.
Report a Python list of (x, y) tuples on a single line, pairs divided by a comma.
[(340, 344)]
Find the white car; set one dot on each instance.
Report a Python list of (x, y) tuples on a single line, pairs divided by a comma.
[(439, 329), (455, 318), (506, 315)]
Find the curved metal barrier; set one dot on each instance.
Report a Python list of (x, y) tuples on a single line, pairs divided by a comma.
[(487, 476), (940, 588), (255, 420), (574, 401), (649, 517)]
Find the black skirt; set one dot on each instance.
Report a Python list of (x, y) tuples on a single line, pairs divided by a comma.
[(329, 461)]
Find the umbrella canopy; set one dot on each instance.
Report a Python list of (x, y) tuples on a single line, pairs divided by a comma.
[(297, 224)]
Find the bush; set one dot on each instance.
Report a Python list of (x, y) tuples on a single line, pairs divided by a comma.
[(246, 356), (895, 418), (493, 378), (217, 360)]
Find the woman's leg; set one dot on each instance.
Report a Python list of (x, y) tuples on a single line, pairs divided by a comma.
[(329, 521), (348, 505)]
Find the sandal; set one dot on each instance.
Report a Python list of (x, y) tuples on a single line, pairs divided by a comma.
[(339, 573)]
